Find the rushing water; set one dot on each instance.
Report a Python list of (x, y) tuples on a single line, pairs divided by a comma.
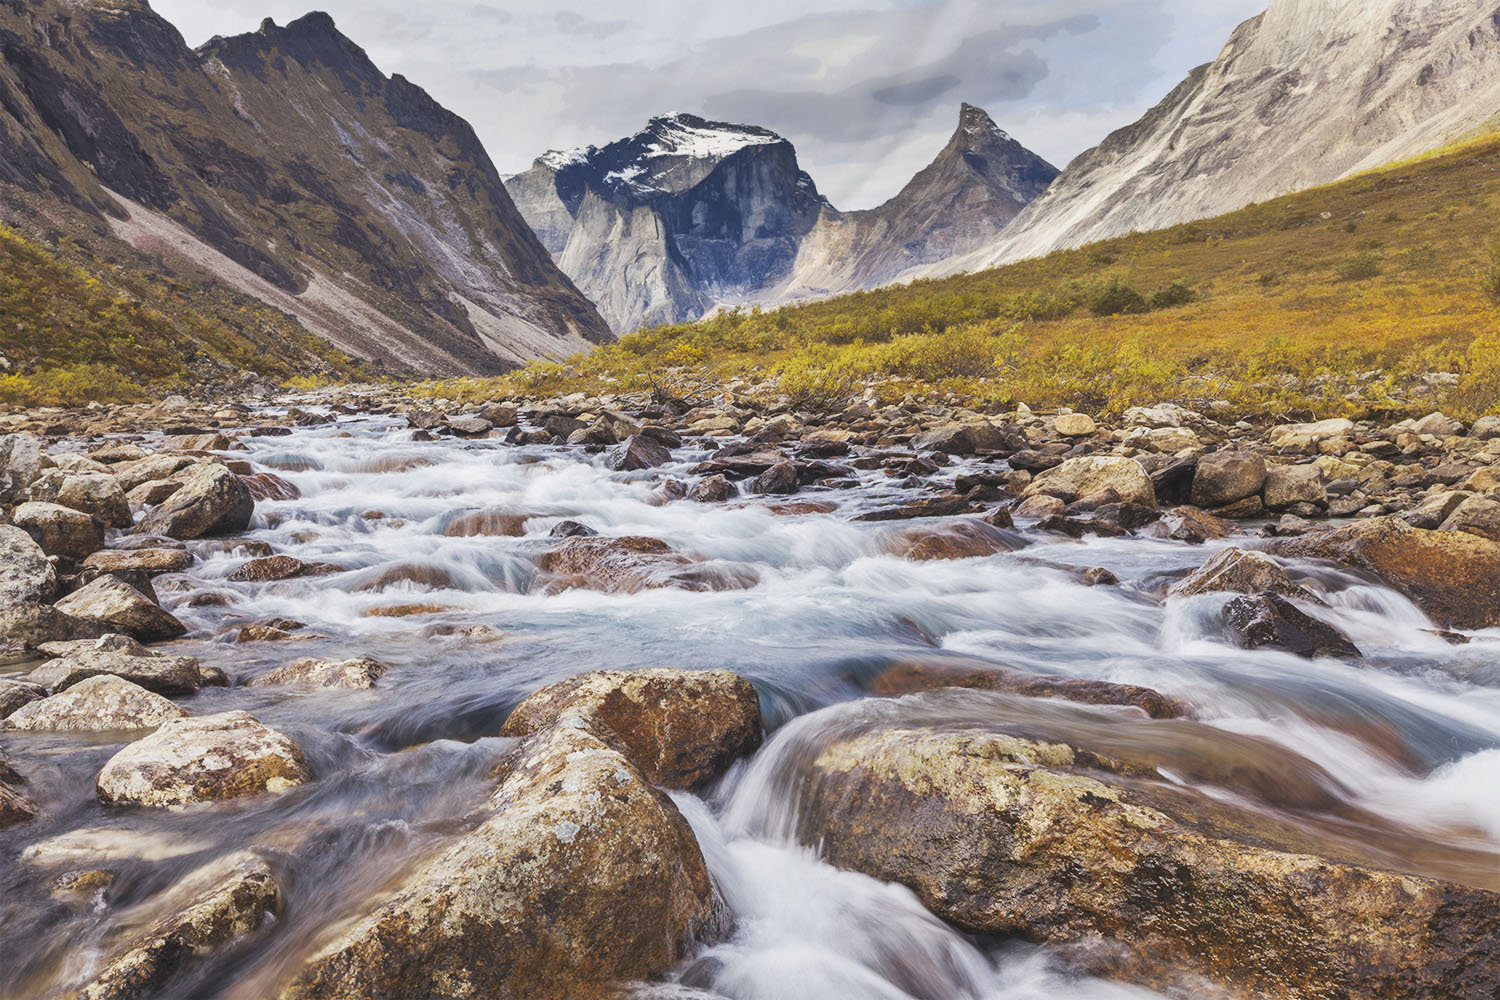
[(1392, 760)]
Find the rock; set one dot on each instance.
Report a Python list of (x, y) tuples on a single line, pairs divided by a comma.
[(1227, 477), (1165, 415), (201, 759), (1189, 524), (1000, 836), (60, 531), (154, 468), (960, 540), (33, 624), (638, 452), (1478, 516), (470, 426), (212, 501), (1436, 509), (1271, 620), (20, 463), (15, 692), (123, 657), (264, 486), (118, 607), (714, 489), (780, 478), (152, 562), (571, 529), (632, 564), (361, 672), (682, 728), (1452, 575), (1040, 507), (912, 676), (1486, 428), (208, 909), (96, 704), (1163, 439), (1287, 485), (1437, 425), (1238, 571), (152, 493), (25, 574), (488, 523), (269, 569), (500, 414), (15, 806), (1101, 478), (96, 493), (585, 876), (1075, 425), (947, 505), (1305, 436)]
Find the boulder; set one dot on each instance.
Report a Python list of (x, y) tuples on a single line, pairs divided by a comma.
[(361, 672), (31, 624), (1437, 425), (1075, 425), (1101, 478), (1454, 576), (268, 486), (714, 489), (682, 728), (502, 523), (60, 531), (1003, 836), (120, 656), (26, 576), (632, 564), (118, 607), (1436, 509), (1305, 436), (911, 676), (1040, 507), (153, 468), (1189, 524), (1271, 620), (212, 501), (1287, 485), (1227, 477), (945, 505), (15, 692), (20, 463), (584, 877), (206, 910), (15, 806), (1478, 516), (98, 704), (779, 479), (149, 494), (1238, 571), (202, 759), (966, 539), (638, 452), (152, 562), (96, 493)]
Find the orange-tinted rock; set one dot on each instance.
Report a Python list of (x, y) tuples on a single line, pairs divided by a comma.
[(913, 676), (494, 523), (269, 486), (966, 539), (632, 564)]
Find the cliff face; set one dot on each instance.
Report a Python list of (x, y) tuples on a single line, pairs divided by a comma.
[(1308, 92), (283, 163)]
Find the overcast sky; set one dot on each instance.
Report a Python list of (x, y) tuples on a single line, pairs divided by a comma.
[(868, 90)]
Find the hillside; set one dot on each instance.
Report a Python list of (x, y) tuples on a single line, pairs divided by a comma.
[(1335, 299)]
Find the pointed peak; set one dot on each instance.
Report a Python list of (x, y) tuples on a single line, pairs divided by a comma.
[(974, 122), (316, 22)]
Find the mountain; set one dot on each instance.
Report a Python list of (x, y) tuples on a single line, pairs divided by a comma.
[(285, 165), (1308, 92), (959, 203)]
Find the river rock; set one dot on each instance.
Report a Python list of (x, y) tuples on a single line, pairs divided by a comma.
[(967, 539), (26, 576), (203, 758), (1479, 515), (152, 562), (1075, 425), (96, 493), (713, 489), (121, 657), (638, 452), (632, 564), (1287, 485), (15, 806), (780, 479), (911, 676), (153, 468), (208, 909), (97, 704), (360, 673), (1002, 836), (1305, 436), (269, 486), (20, 463), (682, 728), (60, 531), (15, 692), (1101, 478), (585, 876), (32, 624), (119, 607), (487, 523), (1239, 571), (1452, 575), (1263, 620), (1227, 477), (212, 501), (1189, 524)]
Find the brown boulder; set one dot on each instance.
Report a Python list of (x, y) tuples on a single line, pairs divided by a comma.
[(966, 539), (361, 672), (489, 523), (1271, 620), (1227, 477), (60, 531), (116, 606), (638, 452), (200, 759), (632, 564), (1239, 571), (1100, 478), (682, 728), (212, 501), (1189, 524), (269, 486), (1478, 515), (149, 561)]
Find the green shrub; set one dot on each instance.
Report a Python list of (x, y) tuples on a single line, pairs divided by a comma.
[(1116, 298), (1489, 275), (1360, 267), (1178, 293)]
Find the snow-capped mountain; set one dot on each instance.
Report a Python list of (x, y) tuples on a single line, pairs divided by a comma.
[(1308, 92)]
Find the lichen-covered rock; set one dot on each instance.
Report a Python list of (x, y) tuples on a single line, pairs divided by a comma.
[(31, 624), (1227, 477), (1287, 485), (201, 759), (632, 564), (25, 574), (360, 672), (97, 704), (1263, 620), (96, 493), (149, 561), (912, 676), (210, 908), (60, 531), (1000, 835), (683, 728), (1454, 576), (15, 692), (1239, 571), (583, 877), (1477, 515), (1096, 478), (114, 604), (212, 501), (121, 656), (152, 468), (20, 463)]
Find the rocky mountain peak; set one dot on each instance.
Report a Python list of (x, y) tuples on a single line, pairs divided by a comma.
[(977, 125)]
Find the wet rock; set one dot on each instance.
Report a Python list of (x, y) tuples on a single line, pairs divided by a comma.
[(488, 523), (20, 463), (779, 479), (1003, 836), (632, 564), (714, 489), (91, 885), (212, 501), (948, 505), (471, 427), (116, 606), (1452, 575), (1040, 507), (209, 909), (152, 562), (1477, 515), (60, 531), (272, 568), (26, 576), (15, 692), (360, 673), (418, 574), (267, 486), (201, 759), (1288, 485), (682, 728), (638, 452), (1238, 571), (571, 529), (960, 540), (123, 657), (1104, 478), (1227, 477), (96, 493), (912, 676), (97, 704), (585, 876), (1189, 524), (1271, 620), (15, 806)]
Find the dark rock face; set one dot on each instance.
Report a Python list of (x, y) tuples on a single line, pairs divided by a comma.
[(1272, 620), (212, 501), (287, 153), (639, 452)]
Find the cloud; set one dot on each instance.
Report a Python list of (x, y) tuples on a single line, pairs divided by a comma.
[(573, 23)]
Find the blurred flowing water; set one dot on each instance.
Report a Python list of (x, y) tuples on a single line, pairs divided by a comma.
[(1393, 759)]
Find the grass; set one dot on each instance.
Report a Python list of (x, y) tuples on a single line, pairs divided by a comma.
[(1333, 300)]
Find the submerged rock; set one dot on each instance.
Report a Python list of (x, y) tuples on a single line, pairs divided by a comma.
[(114, 604), (212, 501), (96, 704), (202, 759), (632, 564), (917, 675), (1271, 620), (967, 539), (360, 672), (15, 806), (1239, 571), (682, 728)]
